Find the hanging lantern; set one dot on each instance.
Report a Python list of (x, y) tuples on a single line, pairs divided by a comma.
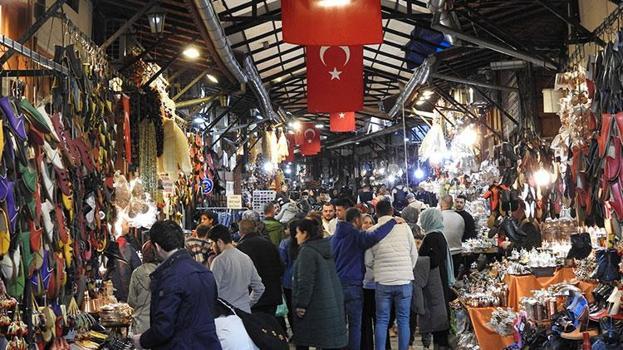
[(156, 17)]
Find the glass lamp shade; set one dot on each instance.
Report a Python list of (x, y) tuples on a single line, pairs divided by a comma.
[(156, 17)]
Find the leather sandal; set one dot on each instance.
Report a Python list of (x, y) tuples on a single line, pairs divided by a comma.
[(63, 181), (15, 121), (4, 187), (604, 136), (60, 222), (36, 237), (48, 224), (613, 160), (53, 156), (15, 287), (46, 181), (617, 198), (68, 204), (24, 238), (5, 234), (619, 122), (33, 116), (85, 155), (11, 207)]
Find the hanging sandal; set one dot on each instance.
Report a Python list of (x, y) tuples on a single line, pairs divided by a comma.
[(48, 224), (60, 222), (15, 121), (36, 237), (33, 116), (5, 233)]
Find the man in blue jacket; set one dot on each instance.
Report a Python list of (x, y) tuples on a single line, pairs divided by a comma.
[(183, 297), (349, 244)]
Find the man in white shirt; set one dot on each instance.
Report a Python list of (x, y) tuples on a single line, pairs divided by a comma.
[(454, 227), (392, 260), (329, 221), (234, 272)]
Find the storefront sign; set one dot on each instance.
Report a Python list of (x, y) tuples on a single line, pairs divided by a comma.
[(234, 201), (208, 186), (229, 188)]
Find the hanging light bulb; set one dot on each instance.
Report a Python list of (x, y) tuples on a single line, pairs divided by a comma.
[(268, 167), (468, 136), (542, 177), (419, 173)]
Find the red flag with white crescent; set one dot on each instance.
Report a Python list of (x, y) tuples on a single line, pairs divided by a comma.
[(310, 137), (334, 78), (332, 22), (342, 122)]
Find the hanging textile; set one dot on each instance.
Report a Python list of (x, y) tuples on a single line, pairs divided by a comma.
[(125, 101), (148, 152), (282, 147), (176, 153)]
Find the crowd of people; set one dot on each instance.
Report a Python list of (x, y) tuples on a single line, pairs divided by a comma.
[(335, 278)]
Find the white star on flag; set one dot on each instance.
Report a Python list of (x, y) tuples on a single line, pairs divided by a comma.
[(342, 115), (335, 74)]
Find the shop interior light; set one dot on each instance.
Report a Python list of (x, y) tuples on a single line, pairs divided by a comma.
[(419, 173), (191, 52), (391, 178), (268, 167), (319, 126), (278, 80), (435, 158), (288, 170), (468, 136), (420, 102), (291, 132), (333, 3), (471, 95), (212, 78), (428, 93), (542, 177), (295, 125)]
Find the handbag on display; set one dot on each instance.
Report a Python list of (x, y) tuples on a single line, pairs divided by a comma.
[(264, 329), (607, 265), (580, 246)]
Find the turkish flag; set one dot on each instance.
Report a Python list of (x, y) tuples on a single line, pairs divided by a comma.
[(346, 22), (342, 122), (334, 78), (291, 144), (310, 139)]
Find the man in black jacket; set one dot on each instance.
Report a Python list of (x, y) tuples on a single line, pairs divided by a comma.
[(265, 257), (470, 224)]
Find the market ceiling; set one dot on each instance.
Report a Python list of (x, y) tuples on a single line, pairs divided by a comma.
[(537, 28)]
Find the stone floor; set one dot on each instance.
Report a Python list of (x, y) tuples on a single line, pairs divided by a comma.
[(416, 346)]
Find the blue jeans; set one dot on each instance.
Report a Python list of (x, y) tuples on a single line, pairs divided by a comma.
[(400, 297), (353, 303)]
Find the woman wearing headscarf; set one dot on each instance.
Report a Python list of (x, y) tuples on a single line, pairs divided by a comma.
[(411, 216), (139, 296), (432, 275)]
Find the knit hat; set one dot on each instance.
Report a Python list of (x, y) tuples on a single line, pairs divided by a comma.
[(431, 220)]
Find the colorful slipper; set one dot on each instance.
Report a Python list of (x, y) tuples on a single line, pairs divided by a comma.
[(5, 233), (15, 121)]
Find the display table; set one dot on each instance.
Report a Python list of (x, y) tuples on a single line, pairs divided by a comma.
[(487, 338), (523, 286)]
